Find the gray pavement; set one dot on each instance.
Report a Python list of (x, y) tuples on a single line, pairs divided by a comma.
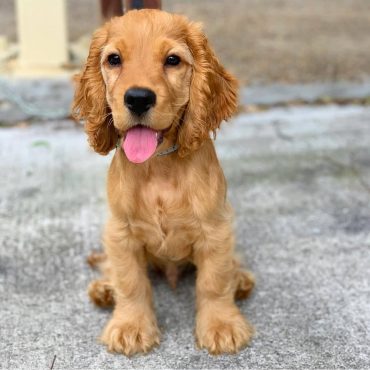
[(22, 99), (309, 93), (299, 179)]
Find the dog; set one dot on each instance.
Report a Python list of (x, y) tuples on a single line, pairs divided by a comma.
[(153, 90)]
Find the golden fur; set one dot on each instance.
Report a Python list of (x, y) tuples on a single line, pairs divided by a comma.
[(170, 210)]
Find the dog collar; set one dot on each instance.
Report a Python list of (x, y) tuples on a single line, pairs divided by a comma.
[(167, 151)]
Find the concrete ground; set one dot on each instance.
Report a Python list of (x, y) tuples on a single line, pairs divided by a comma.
[(299, 179)]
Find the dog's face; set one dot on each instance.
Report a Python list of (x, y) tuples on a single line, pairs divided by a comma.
[(154, 72), (146, 66)]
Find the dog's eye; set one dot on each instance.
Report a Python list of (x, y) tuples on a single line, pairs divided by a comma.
[(114, 60), (172, 60)]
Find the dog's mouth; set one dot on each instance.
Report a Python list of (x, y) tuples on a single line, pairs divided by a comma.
[(140, 143)]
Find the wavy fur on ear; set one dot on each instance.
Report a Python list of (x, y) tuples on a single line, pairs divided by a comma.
[(90, 101), (213, 94)]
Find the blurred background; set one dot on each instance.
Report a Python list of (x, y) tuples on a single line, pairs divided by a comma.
[(261, 41), (297, 161)]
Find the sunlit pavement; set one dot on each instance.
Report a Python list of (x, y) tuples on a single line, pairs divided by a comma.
[(299, 180)]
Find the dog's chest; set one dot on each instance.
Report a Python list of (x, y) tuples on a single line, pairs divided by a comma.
[(166, 221)]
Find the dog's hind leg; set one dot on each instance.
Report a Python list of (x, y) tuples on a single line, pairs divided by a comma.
[(95, 259), (244, 281), (101, 290), (101, 293)]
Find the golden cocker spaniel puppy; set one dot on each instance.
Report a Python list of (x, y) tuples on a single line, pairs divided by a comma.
[(153, 90)]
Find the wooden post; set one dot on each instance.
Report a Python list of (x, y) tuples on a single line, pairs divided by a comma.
[(140, 4), (114, 8), (110, 8), (42, 33)]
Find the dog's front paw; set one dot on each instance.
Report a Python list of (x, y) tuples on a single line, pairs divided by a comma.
[(130, 337), (225, 332)]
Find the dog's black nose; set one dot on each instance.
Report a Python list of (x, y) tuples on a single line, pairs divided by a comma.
[(139, 100)]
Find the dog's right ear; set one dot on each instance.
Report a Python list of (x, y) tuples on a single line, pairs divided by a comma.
[(90, 103), (213, 93)]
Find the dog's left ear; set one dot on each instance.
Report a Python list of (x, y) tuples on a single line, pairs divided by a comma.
[(90, 103), (213, 94)]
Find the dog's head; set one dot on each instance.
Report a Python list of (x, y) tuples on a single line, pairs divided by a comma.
[(149, 73)]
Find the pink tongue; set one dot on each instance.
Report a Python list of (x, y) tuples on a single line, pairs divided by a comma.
[(140, 143)]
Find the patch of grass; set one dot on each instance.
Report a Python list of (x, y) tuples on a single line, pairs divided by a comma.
[(41, 143)]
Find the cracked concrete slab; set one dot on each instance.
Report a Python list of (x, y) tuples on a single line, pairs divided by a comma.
[(299, 181)]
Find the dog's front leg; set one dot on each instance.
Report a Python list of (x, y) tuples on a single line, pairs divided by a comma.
[(133, 327), (220, 326)]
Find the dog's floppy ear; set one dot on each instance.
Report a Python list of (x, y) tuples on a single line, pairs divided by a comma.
[(90, 99), (213, 94)]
